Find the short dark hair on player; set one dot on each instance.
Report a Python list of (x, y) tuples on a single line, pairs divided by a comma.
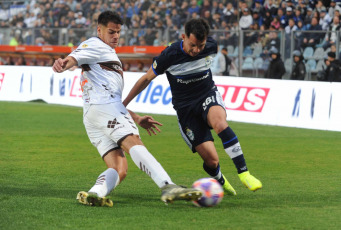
[(109, 16), (198, 27)]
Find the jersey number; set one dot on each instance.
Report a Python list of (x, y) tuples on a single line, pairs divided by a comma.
[(208, 101)]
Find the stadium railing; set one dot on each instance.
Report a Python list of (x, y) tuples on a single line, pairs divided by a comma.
[(244, 43)]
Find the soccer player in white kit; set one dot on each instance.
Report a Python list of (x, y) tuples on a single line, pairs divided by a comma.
[(110, 126)]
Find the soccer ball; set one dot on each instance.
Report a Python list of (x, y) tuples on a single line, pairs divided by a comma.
[(213, 192)]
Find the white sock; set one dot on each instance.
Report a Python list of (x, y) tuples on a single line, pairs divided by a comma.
[(106, 182), (234, 151), (147, 163)]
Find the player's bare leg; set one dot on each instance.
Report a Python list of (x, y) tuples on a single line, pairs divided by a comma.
[(211, 165), (107, 181)]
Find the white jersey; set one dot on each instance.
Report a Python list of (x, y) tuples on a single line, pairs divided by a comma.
[(102, 74)]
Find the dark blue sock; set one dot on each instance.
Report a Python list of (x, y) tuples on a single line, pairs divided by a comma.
[(229, 138), (240, 163), (214, 173)]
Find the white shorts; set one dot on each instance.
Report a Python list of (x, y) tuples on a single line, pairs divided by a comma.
[(107, 125)]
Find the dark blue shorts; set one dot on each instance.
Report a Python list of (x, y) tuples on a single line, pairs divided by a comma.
[(193, 119)]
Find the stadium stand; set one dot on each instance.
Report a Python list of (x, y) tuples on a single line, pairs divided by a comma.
[(311, 65), (321, 65), (160, 22), (318, 53), (308, 52)]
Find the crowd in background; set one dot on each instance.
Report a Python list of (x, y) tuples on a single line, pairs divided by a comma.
[(142, 17), (225, 15)]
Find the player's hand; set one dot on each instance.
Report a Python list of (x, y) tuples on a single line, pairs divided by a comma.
[(148, 123), (59, 65)]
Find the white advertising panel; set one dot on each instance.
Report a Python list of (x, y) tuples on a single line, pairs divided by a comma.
[(303, 104)]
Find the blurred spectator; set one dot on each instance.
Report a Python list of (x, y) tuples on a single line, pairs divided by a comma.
[(290, 27), (311, 39), (275, 23), (122, 42), (16, 38), (324, 19), (271, 7), (2, 61), (284, 20), (80, 19), (245, 21), (218, 63), (298, 14), (267, 19), (140, 67), (227, 62), (332, 8), (227, 37), (142, 41), (333, 71), (134, 40), (273, 41), (259, 8), (20, 61), (215, 7), (206, 6), (194, 8), (276, 67), (319, 5), (9, 60), (298, 70), (331, 35), (251, 36), (308, 16), (126, 66), (256, 16), (39, 41), (209, 19), (298, 35)]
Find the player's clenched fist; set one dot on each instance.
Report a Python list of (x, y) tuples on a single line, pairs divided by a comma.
[(59, 65)]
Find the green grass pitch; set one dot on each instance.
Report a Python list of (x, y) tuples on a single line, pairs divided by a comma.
[(46, 159)]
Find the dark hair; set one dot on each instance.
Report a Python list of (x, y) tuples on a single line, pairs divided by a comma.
[(109, 16), (198, 27), (331, 54)]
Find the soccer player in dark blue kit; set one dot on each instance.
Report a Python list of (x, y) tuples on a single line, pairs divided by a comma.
[(198, 104)]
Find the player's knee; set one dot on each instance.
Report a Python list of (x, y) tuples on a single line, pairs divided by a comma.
[(212, 163), (220, 126)]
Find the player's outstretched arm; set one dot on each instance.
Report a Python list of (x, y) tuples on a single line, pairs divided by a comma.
[(140, 85), (60, 65), (146, 122)]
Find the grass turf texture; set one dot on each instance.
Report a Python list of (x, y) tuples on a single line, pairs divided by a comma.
[(46, 159)]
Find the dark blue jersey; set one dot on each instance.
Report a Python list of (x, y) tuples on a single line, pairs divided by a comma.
[(190, 78)]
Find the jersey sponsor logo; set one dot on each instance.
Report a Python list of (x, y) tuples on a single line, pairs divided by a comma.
[(179, 80), (84, 46), (2, 77), (243, 98)]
